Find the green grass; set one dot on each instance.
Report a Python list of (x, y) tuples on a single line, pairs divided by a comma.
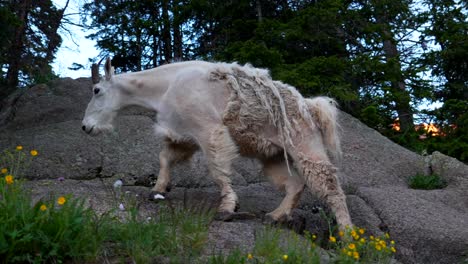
[(44, 231), (427, 182), (50, 232), (177, 233), (275, 246), (63, 229)]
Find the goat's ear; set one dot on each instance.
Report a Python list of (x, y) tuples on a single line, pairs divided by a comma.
[(109, 70)]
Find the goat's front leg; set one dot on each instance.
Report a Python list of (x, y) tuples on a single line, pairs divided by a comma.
[(171, 153), (221, 150)]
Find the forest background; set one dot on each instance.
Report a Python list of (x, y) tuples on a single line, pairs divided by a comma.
[(385, 61)]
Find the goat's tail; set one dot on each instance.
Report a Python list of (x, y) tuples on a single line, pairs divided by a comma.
[(325, 113)]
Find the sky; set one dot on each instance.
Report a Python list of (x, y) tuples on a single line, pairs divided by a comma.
[(76, 47)]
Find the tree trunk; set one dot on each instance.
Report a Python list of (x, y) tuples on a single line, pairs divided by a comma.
[(401, 95), (259, 11), (176, 25), (16, 50), (139, 52), (178, 50), (166, 32), (54, 39), (155, 35)]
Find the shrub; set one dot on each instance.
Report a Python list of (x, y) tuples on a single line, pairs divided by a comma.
[(427, 182)]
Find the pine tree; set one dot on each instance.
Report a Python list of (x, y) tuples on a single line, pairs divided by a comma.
[(449, 30), (30, 42)]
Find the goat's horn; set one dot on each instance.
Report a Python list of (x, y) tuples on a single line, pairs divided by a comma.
[(95, 72)]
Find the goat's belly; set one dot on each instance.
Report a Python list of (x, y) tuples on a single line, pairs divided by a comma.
[(252, 145)]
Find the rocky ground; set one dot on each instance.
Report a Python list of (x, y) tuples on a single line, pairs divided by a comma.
[(428, 226)]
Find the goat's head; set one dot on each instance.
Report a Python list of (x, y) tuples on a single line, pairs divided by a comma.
[(104, 104)]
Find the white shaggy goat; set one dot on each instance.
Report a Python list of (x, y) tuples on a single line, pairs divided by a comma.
[(227, 110)]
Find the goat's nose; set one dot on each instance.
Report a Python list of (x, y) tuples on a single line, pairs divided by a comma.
[(83, 127)]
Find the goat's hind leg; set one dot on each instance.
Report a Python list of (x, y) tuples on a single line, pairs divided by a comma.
[(171, 153), (277, 171)]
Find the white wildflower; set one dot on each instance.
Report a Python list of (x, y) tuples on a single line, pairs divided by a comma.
[(118, 184)]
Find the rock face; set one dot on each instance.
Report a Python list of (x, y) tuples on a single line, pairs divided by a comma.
[(428, 226)]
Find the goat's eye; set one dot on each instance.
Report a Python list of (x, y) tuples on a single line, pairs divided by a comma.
[(96, 90)]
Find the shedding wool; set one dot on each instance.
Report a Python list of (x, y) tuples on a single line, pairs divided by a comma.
[(258, 100)]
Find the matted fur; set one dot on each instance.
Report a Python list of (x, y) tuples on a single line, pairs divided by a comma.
[(257, 100)]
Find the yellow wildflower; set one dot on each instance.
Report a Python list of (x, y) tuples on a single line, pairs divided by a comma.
[(392, 242), (356, 255), (249, 256), (314, 237), (350, 253), (4, 170), (34, 152), (9, 179), (383, 244), (387, 235), (362, 241), (353, 233), (352, 246), (393, 249), (285, 257), (371, 237), (332, 239), (341, 233), (378, 247), (43, 207), (356, 237), (19, 147), (361, 231), (61, 200)]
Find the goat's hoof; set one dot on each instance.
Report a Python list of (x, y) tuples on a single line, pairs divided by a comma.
[(270, 220), (157, 196), (230, 216), (243, 216), (223, 216)]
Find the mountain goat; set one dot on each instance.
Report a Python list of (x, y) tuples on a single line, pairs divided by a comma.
[(226, 110)]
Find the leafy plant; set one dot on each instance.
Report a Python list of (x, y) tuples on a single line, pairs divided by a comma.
[(46, 231), (63, 228), (177, 233), (351, 246), (427, 182)]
